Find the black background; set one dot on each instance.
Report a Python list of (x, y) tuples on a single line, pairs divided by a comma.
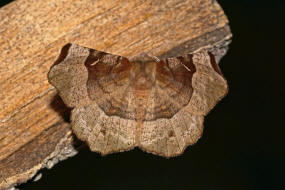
[(242, 147)]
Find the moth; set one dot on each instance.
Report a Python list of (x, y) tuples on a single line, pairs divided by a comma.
[(120, 103)]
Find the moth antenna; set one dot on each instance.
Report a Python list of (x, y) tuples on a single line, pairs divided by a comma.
[(145, 56), (153, 57)]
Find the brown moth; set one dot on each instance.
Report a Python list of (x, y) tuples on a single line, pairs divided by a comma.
[(119, 104)]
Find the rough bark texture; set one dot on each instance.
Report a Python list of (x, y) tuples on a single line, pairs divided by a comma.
[(34, 129)]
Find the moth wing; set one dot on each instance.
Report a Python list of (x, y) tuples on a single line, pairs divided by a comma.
[(209, 85), (170, 137), (172, 90), (103, 134), (204, 84), (77, 75), (69, 75), (109, 83)]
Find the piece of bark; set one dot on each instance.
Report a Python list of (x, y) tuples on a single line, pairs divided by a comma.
[(34, 129)]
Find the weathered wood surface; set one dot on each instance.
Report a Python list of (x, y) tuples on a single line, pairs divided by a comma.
[(34, 129)]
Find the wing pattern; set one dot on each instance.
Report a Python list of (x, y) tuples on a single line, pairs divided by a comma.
[(119, 104)]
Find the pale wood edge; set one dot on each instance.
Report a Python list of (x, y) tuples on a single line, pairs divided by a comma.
[(55, 144)]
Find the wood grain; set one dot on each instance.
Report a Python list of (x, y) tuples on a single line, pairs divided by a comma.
[(32, 34)]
